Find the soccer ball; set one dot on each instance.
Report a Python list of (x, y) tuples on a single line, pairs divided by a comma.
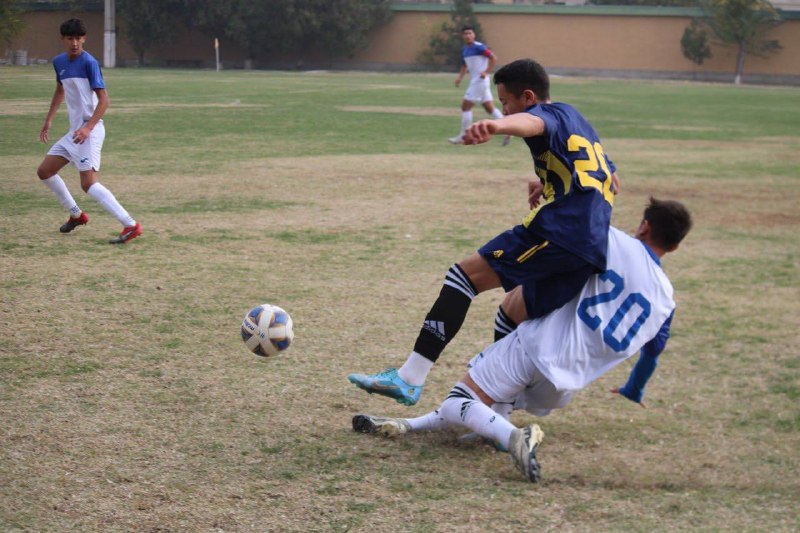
[(267, 330)]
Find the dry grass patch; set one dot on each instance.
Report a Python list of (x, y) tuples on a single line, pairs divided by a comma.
[(130, 404)]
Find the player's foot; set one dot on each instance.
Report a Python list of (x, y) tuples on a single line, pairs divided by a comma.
[(506, 140), (73, 223), (522, 447), (480, 439), (131, 232), (387, 383), (388, 427), (458, 139)]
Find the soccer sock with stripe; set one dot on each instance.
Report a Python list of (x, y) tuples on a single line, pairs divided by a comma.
[(445, 317), (105, 198), (463, 407), (59, 188), (503, 325)]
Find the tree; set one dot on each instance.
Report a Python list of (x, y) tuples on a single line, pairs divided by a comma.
[(339, 28), (694, 43), (10, 23), (329, 27), (150, 23), (743, 24), (444, 46)]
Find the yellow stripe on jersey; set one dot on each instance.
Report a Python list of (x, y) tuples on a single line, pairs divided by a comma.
[(527, 255), (555, 166)]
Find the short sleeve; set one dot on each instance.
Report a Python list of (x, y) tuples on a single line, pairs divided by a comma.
[(94, 75)]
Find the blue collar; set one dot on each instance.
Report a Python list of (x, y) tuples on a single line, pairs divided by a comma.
[(652, 253)]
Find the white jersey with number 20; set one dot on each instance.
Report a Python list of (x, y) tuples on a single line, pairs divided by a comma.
[(615, 314)]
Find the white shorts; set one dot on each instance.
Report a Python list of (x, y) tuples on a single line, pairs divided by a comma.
[(479, 91), (506, 373), (85, 156)]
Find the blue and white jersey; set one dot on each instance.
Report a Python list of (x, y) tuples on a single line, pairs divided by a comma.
[(476, 58), (614, 316), (79, 77)]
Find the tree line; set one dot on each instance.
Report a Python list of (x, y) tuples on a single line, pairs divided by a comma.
[(263, 28)]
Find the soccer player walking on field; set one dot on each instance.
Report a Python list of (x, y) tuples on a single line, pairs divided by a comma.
[(79, 82), (478, 61)]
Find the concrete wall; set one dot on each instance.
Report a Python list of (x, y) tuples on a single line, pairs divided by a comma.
[(594, 40), (642, 41)]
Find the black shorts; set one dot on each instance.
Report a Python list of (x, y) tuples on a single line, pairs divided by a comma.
[(549, 274)]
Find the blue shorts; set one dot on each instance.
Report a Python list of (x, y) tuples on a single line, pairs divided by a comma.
[(550, 275)]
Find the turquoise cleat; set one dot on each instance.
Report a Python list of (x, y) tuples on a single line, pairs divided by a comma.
[(387, 383)]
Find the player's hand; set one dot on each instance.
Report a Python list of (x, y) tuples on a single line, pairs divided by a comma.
[(535, 188), (43, 133), (458, 82), (483, 74), (80, 135), (615, 183), (617, 391), (480, 132)]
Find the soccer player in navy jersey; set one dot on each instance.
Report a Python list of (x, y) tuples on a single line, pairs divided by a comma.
[(478, 61), (543, 362), (79, 82), (543, 262)]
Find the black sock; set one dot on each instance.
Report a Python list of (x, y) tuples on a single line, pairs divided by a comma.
[(503, 325), (447, 314)]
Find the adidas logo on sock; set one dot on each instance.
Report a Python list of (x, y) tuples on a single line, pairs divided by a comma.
[(435, 327)]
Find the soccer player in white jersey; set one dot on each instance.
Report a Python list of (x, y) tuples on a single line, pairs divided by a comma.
[(539, 365), (79, 82), (479, 61)]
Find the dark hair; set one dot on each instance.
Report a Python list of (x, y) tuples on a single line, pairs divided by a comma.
[(669, 220), (524, 74), (73, 28), (467, 27)]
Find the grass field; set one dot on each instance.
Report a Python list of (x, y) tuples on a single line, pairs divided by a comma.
[(129, 403)]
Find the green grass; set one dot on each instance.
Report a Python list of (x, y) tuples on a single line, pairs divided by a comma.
[(129, 403)]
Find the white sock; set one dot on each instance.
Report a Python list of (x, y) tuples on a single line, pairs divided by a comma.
[(432, 421), (466, 121), (497, 113), (415, 370), (105, 198), (59, 188), (463, 407), (503, 409)]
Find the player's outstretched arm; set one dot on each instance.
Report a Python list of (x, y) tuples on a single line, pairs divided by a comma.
[(55, 103), (518, 125)]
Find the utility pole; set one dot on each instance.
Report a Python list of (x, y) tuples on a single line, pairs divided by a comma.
[(110, 36)]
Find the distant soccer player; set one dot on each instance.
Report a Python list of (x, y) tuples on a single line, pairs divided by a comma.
[(544, 361), (543, 262), (479, 61), (80, 82)]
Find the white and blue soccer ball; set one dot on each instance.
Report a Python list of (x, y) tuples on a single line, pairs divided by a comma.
[(267, 330)]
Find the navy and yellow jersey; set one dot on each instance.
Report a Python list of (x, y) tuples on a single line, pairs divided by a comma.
[(576, 209)]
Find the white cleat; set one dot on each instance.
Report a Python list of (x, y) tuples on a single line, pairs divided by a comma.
[(458, 139), (522, 447), (388, 427)]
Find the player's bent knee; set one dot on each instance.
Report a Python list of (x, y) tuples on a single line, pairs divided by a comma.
[(480, 273), (44, 173)]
